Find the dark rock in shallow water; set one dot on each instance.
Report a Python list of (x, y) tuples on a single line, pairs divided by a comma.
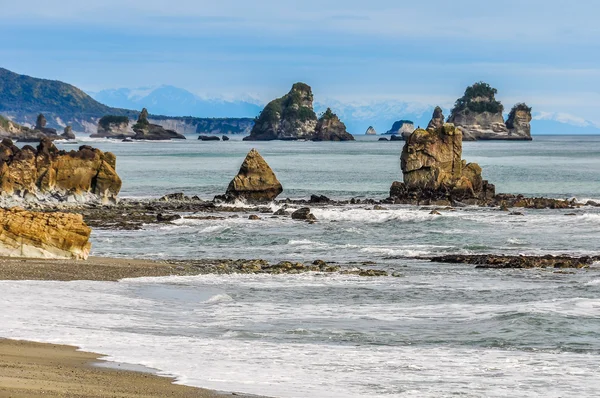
[(174, 196), (382, 139), (144, 130), (319, 199), (209, 138), (225, 138), (395, 137), (303, 214), (68, 133), (500, 261), (165, 218)]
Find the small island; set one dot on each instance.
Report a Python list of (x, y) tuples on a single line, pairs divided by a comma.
[(480, 116), (292, 117)]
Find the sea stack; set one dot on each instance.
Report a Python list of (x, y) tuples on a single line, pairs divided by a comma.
[(479, 116), (112, 126), (434, 172), (144, 130), (519, 121), (371, 131), (86, 174), (255, 182), (292, 117), (43, 235), (402, 128)]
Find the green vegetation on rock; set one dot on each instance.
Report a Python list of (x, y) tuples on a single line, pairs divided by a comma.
[(480, 97), (4, 123), (107, 120)]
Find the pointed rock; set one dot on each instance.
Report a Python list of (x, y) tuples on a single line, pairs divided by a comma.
[(437, 120), (68, 133), (371, 131), (41, 122), (255, 182)]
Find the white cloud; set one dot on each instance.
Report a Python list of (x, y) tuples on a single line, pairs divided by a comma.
[(565, 118)]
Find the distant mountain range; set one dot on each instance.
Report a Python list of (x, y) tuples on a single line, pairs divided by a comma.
[(174, 101), (23, 98)]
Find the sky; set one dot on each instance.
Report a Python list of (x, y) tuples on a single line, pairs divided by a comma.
[(544, 53)]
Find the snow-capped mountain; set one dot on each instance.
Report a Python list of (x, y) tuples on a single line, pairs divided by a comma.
[(381, 114), (174, 101)]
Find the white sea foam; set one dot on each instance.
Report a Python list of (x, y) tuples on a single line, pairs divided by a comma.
[(372, 216), (153, 333)]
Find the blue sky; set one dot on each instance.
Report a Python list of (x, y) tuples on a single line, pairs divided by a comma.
[(427, 51)]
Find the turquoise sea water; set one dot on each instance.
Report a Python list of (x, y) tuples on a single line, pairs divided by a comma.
[(436, 330)]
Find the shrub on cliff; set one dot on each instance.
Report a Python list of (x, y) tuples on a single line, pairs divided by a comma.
[(107, 120), (480, 97)]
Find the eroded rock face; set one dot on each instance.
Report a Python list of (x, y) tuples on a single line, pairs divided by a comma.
[(292, 117), (29, 172), (433, 168), (111, 126), (331, 128), (437, 119), (144, 130), (519, 121), (402, 128), (371, 131), (43, 235), (255, 182)]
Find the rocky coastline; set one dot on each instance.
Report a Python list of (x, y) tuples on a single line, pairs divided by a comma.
[(435, 177)]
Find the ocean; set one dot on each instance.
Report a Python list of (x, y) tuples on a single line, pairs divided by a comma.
[(432, 330)]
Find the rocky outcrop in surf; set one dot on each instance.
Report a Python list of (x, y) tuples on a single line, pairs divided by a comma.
[(43, 235), (144, 130), (371, 131), (68, 133), (479, 116), (517, 262), (292, 117), (34, 174), (433, 169), (255, 182)]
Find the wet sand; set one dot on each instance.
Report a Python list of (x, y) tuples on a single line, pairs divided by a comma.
[(29, 369), (33, 370), (94, 268)]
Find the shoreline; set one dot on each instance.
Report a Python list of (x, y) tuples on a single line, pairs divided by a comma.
[(31, 369)]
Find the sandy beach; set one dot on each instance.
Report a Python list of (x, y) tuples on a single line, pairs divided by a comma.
[(30, 369)]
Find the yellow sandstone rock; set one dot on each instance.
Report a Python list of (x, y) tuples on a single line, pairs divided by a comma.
[(48, 170), (43, 235)]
